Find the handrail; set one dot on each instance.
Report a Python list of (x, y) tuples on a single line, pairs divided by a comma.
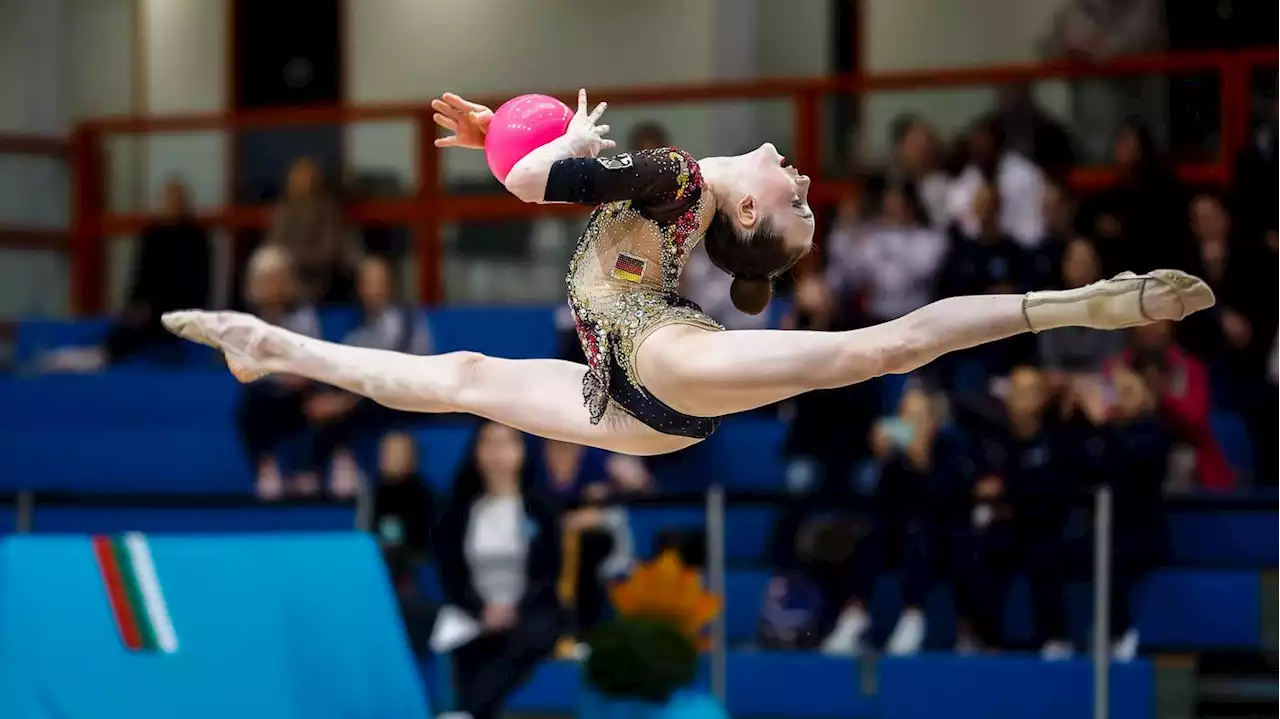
[(429, 205)]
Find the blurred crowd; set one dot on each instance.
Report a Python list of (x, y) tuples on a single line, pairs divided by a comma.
[(975, 473)]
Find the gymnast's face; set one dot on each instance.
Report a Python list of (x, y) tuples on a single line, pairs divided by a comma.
[(772, 188)]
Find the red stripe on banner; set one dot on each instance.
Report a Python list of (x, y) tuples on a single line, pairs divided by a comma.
[(126, 622)]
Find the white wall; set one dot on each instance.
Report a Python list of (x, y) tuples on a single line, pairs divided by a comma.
[(925, 34)]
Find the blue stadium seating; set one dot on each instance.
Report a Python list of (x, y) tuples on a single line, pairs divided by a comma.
[(134, 429)]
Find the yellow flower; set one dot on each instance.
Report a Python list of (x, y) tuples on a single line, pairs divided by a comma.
[(665, 588)]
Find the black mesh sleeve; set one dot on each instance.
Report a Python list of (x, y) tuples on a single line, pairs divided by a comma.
[(652, 177)]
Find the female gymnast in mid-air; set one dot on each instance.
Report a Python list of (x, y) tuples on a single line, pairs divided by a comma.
[(659, 372)]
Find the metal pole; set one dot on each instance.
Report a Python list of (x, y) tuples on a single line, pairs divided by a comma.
[(1101, 601), (716, 582), (364, 508), (26, 511)]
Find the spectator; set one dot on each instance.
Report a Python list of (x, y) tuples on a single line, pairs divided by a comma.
[(988, 261), (1244, 279), (585, 478), (1078, 350), (1060, 227), (1139, 223), (403, 511), (1021, 499), (917, 467), (648, 135), (171, 271), (1019, 182), (498, 547), (1255, 192), (891, 261), (403, 508), (271, 409), (1182, 387), (338, 417), (1127, 447), (1033, 133), (309, 223), (915, 163)]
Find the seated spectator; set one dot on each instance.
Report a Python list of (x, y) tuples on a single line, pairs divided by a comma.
[(171, 271), (1021, 499), (585, 478), (918, 472), (983, 259), (271, 408), (915, 163), (1126, 447), (1019, 182), (1033, 133), (1078, 350), (499, 551), (1243, 277), (1060, 228), (336, 417), (987, 261), (403, 513), (1139, 223), (310, 223), (403, 507), (891, 261), (1182, 387)]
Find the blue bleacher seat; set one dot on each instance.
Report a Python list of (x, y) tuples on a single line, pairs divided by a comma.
[(1225, 538), (1233, 436), (441, 450), (265, 518), (748, 453)]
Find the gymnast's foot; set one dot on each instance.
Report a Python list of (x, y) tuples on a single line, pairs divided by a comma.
[(252, 347), (1126, 300)]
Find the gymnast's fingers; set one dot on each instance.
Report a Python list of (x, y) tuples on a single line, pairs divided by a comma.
[(450, 141), (602, 130), (607, 144), (582, 101), (596, 113), (447, 123), (460, 104)]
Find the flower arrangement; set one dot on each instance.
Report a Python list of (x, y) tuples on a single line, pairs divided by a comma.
[(648, 655)]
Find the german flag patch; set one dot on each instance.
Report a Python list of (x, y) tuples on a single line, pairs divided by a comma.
[(628, 268)]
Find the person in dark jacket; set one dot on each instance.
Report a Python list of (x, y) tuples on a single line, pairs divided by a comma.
[(1021, 498), (499, 551), (171, 271), (1126, 446)]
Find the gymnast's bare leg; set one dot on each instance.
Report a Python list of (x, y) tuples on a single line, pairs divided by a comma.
[(697, 372)]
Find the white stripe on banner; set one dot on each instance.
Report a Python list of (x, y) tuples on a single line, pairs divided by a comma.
[(144, 569)]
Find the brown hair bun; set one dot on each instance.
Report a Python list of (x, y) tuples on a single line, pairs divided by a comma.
[(751, 295)]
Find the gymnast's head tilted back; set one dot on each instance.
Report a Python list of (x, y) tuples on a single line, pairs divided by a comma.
[(763, 224)]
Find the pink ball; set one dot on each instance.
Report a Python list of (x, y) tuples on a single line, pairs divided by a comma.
[(520, 126)]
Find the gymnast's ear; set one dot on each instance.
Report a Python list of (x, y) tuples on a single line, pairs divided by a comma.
[(747, 212)]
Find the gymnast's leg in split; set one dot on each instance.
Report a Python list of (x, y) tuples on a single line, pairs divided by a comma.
[(693, 370)]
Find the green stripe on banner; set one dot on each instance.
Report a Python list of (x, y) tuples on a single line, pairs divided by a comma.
[(129, 573)]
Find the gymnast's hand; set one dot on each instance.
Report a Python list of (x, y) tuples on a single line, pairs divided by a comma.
[(584, 137), (468, 121)]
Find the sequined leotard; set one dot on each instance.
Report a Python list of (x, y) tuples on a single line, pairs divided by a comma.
[(624, 275)]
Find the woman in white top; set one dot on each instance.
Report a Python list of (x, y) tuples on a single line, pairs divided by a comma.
[(498, 548), (891, 260), (1019, 181)]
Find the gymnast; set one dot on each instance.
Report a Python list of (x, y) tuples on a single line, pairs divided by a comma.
[(659, 372)]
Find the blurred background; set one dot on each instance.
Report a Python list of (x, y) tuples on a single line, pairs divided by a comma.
[(1063, 525)]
